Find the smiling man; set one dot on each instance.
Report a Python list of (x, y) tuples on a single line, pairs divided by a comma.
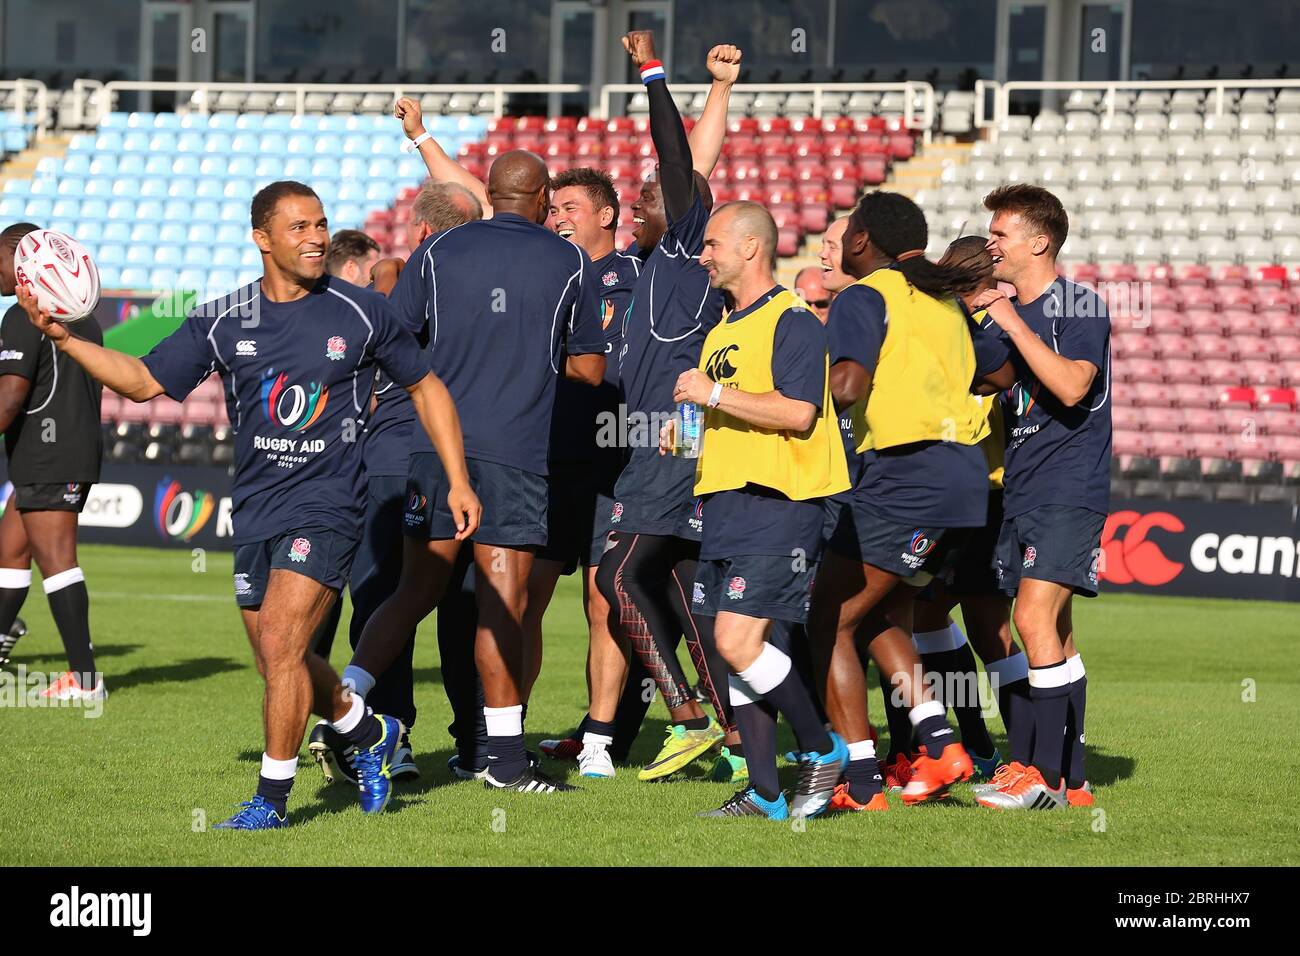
[(297, 351)]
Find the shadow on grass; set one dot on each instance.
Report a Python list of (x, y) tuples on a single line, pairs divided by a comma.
[(194, 669), (108, 650)]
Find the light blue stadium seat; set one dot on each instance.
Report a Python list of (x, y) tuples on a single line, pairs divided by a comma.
[(15, 140), (251, 257), (273, 144), (115, 231), (353, 167), (95, 166), (269, 166), (156, 188), (277, 121), (123, 209), (164, 141), (138, 140), (94, 209), (197, 256), (207, 188), (349, 214), (234, 210), (227, 256), (246, 142), (253, 121), (328, 144), (167, 121), (300, 143), (327, 190), (186, 166), (381, 167), (71, 187), (219, 143), (144, 233), (18, 187), (148, 209), (181, 187), (133, 279), (296, 167), (129, 165), (232, 232), (411, 168), (162, 278), (66, 226), (113, 121), (13, 207), (110, 141), (99, 187), (205, 210), (223, 280), (66, 208), (356, 146), (379, 146), (224, 121), (244, 167), (78, 165), (325, 167), (191, 141), (158, 165), (44, 187), (248, 275), (86, 143), (238, 189), (140, 120), (142, 253), (352, 192), (110, 254), (110, 277), (174, 232)]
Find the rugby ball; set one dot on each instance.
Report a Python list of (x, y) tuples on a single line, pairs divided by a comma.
[(60, 272)]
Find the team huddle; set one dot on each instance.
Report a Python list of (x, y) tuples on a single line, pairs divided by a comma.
[(830, 472)]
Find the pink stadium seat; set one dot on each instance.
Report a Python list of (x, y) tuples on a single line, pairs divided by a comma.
[(164, 411), (1273, 300), (1193, 275), (1237, 397), (873, 146), (1086, 273), (1269, 398), (1286, 448), (1119, 272), (1236, 421), (623, 237), (815, 217), (1164, 296), (785, 215), (1161, 273), (108, 406), (1253, 347), (1170, 444), (1162, 419), (1190, 396), (1279, 421), (1152, 394), (1198, 297), (1258, 373), (1213, 447), (787, 242), (132, 412), (873, 170), (1184, 372), (1289, 373), (1127, 419), (1221, 372), (1139, 370), (199, 412), (1233, 275), (1122, 394), (1201, 420), (1174, 346), (1282, 324), (1130, 443), (1235, 297), (1210, 347)]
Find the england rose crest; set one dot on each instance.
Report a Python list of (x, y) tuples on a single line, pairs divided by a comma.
[(736, 588), (299, 550), (335, 348)]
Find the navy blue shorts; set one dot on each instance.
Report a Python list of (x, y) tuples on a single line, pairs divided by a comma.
[(973, 572), (317, 553), (514, 502), (755, 585), (1057, 543), (657, 496), (577, 519), (914, 554)]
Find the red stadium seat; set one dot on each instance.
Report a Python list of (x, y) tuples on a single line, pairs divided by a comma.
[(1284, 398), (774, 124), (787, 242), (873, 124), (1193, 275), (743, 124), (785, 215), (1232, 275), (873, 146), (502, 124), (1237, 397), (1270, 276), (873, 170), (561, 123)]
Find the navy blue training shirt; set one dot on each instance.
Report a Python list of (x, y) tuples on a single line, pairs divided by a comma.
[(672, 310), (387, 445), (924, 483), (757, 520), (578, 407), (298, 376), (1058, 455), (503, 300)]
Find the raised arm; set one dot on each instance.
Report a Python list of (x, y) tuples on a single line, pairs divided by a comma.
[(676, 172), (711, 128), (124, 374), (441, 167)]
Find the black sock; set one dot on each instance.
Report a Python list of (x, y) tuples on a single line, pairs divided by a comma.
[(1072, 757), (275, 792), (70, 606), (736, 749), (757, 725), (523, 712), (900, 727), (602, 728), (366, 733), (934, 734), (583, 727), (1018, 715), (864, 779), (960, 672), (1051, 705), (794, 701), (11, 602), (506, 757), (696, 723)]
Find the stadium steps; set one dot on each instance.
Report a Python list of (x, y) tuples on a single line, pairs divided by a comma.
[(924, 170), (23, 165)]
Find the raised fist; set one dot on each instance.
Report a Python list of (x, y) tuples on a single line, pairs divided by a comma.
[(408, 111), (640, 46), (724, 63)]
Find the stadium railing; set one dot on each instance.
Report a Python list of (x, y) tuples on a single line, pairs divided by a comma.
[(1001, 93), (38, 94)]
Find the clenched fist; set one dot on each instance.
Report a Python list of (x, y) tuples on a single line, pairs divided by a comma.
[(724, 63), (640, 46)]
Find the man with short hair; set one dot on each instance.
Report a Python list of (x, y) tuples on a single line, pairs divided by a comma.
[(49, 413), (296, 351), (1057, 479), (499, 336), (808, 286), (351, 257)]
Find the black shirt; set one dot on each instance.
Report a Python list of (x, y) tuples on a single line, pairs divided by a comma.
[(55, 438)]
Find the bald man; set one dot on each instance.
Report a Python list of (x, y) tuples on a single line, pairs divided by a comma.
[(515, 301), (808, 286), (770, 454)]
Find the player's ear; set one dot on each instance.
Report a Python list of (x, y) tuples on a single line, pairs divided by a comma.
[(1040, 245), (607, 217), (262, 239)]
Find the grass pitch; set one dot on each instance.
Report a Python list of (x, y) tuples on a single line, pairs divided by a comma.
[(1185, 698)]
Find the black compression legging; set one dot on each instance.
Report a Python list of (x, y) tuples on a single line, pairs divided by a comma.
[(649, 579)]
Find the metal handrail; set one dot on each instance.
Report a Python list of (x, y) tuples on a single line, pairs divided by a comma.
[(20, 87), (1111, 87)]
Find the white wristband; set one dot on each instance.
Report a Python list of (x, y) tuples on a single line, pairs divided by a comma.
[(414, 144), (715, 396)]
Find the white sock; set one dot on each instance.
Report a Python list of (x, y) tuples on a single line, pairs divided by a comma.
[(861, 750), (361, 682), (1075, 664), (1057, 675), (768, 671), (504, 721), (740, 693), (15, 578), (596, 740), (279, 769), (348, 722), (931, 708)]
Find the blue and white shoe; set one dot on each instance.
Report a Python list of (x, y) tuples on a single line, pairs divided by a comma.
[(748, 803), (464, 773), (818, 775), (985, 767), (374, 765), (256, 814)]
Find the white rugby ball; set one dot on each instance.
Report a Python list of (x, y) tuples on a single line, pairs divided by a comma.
[(59, 270)]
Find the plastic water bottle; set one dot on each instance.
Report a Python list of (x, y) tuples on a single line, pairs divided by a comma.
[(688, 430)]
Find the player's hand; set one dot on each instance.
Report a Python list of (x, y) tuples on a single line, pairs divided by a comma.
[(57, 332), (466, 509), (384, 274), (408, 111), (998, 305), (668, 436), (724, 63), (693, 386), (640, 46)]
